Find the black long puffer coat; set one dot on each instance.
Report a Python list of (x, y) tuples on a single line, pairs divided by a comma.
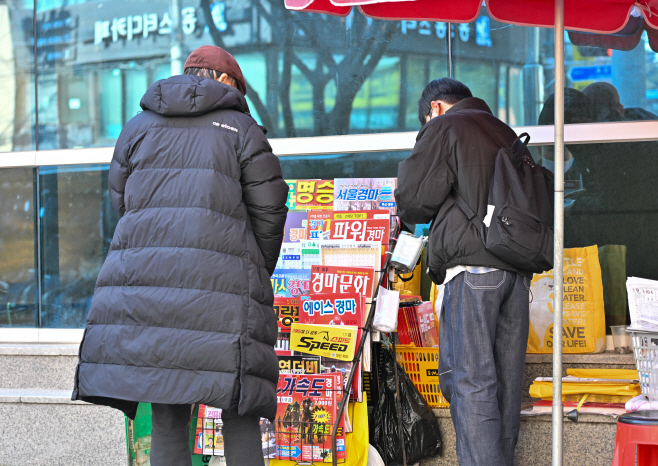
[(182, 311)]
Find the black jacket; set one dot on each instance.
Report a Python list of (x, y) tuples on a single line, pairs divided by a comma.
[(452, 152), (182, 311)]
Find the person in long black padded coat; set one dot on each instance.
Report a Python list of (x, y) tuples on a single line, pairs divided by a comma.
[(182, 310)]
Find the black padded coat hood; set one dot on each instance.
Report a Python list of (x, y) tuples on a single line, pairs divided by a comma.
[(190, 96), (182, 311)]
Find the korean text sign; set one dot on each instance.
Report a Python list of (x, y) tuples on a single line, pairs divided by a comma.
[(332, 309), (314, 194), (287, 312), (335, 279), (290, 283), (330, 341)]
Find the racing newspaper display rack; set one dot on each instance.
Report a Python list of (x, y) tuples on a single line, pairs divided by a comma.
[(367, 330), (306, 410)]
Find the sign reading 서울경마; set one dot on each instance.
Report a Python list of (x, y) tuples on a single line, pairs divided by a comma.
[(331, 341)]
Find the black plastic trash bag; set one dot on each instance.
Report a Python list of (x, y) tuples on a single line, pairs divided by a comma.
[(422, 438)]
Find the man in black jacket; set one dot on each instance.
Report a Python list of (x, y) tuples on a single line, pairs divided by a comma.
[(484, 321), (182, 311)]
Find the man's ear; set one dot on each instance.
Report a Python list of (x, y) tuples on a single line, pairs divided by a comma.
[(226, 79)]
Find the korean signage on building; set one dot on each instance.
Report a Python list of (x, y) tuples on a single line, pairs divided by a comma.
[(463, 31), (143, 25), (115, 30)]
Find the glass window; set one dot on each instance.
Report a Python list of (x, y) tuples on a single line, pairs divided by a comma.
[(617, 73), (18, 279), (317, 75), (611, 199), (17, 118), (78, 222), (510, 67)]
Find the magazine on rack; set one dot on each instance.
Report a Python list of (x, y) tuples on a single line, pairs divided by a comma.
[(337, 309), (290, 256), (310, 254), (314, 195), (306, 410), (341, 280), (287, 312), (290, 283), (299, 364), (292, 194), (351, 254), (296, 225), (356, 225), (319, 224), (332, 309), (366, 194), (427, 324), (209, 439), (282, 341), (333, 279)]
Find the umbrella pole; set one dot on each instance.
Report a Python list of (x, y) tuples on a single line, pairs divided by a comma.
[(449, 34), (559, 235)]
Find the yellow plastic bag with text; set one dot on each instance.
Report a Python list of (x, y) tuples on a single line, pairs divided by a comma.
[(410, 287), (583, 324)]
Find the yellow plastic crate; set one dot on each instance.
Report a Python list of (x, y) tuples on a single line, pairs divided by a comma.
[(422, 367)]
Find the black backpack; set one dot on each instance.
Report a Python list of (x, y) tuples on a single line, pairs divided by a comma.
[(519, 228)]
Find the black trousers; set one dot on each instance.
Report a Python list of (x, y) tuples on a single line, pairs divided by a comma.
[(170, 437)]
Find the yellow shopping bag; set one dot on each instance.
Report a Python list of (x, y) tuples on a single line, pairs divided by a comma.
[(408, 283), (584, 315)]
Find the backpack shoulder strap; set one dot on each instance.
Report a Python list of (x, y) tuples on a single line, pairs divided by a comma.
[(472, 217)]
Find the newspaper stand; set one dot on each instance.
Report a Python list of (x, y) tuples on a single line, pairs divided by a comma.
[(307, 442), (210, 428), (383, 278)]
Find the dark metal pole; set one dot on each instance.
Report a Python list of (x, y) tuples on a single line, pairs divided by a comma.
[(449, 35), (398, 408), (36, 80), (38, 273), (357, 356)]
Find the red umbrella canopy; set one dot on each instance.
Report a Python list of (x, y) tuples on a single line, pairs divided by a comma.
[(602, 16)]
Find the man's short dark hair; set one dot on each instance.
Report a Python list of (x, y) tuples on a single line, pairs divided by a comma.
[(449, 90), (203, 72)]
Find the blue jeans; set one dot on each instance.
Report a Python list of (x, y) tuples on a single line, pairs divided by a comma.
[(483, 336)]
